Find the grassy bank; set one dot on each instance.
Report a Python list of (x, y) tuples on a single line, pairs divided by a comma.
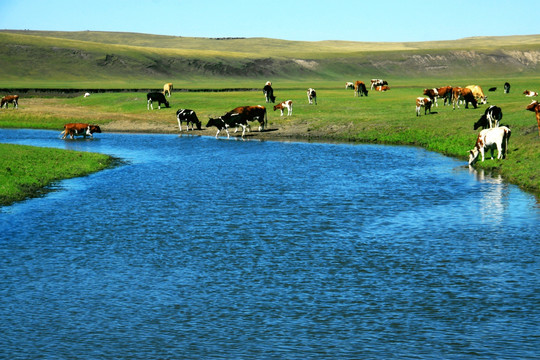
[(379, 118), (27, 171)]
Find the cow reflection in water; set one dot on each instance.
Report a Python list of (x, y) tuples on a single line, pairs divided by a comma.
[(494, 198)]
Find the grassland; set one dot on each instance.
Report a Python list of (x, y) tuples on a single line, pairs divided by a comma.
[(131, 61)]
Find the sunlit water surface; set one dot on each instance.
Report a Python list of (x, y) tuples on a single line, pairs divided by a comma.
[(205, 248)]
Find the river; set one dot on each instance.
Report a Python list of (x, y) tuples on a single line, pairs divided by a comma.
[(205, 248)]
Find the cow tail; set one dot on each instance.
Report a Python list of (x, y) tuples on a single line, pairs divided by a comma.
[(265, 123), (506, 138)]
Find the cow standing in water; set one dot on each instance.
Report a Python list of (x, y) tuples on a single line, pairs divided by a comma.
[(269, 92), (79, 129)]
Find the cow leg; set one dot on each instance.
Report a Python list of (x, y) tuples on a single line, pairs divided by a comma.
[(289, 111), (418, 111), (218, 133), (281, 111), (180, 124)]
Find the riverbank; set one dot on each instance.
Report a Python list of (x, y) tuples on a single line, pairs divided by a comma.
[(382, 118)]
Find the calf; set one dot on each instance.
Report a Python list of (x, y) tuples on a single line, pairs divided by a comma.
[(530, 93), (464, 94), (360, 88), (269, 92), (189, 117), (312, 96), (423, 102), (491, 118), (488, 139), (382, 88), (535, 106), (285, 104), (10, 99), (79, 129), (156, 96)]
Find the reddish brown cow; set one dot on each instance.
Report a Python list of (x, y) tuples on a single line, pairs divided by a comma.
[(284, 105), (13, 99), (464, 94), (423, 102), (382, 88), (535, 106), (444, 92), (79, 129)]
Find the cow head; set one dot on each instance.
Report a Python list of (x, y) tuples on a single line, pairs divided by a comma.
[(534, 106), (473, 156), (198, 124), (94, 129), (167, 104)]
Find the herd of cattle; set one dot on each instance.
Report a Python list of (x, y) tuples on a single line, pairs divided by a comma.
[(490, 137)]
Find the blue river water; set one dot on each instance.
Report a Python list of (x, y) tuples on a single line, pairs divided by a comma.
[(200, 248)]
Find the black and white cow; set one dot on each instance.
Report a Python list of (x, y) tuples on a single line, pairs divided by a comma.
[(378, 82), (189, 117), (506, 87), (155, 96), (312, 96), (269, 92), (240, 116), (491, 118)]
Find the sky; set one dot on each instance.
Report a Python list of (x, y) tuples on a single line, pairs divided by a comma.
[(304, 20)]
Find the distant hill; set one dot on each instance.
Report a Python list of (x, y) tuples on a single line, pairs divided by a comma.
[(122, 58)]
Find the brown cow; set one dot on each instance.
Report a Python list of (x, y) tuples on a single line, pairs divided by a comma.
[(360, 88), (382, 88), (535, 106), (79, 129), (444, 92), (13, 99), (167, 88), (464, 94)]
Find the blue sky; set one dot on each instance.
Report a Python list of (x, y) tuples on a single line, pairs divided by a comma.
[(390, 20)]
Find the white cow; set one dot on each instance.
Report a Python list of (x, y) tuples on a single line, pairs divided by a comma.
[(488, 139)]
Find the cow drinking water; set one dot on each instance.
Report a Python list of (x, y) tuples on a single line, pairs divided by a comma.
[(489, 139), (155, 96)]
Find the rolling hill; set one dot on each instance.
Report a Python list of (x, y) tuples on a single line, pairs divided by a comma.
[(31, 58)]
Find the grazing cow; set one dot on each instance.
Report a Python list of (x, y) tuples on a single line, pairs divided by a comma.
[(269, 92), (87, 94), (492, 89), (79, 129), (423, 102), (10, 99), (530, 93), (360, 88), (445, 93), (491, 118), (189, 117), (167, 88), (464, 94), (433, 94), (488, 139), (478, 93), (506, 87), (382, 88), (312, 96), (378, 82), (349, 85), (535, 106), (155, 96), (285, 104)]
